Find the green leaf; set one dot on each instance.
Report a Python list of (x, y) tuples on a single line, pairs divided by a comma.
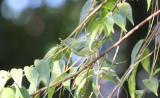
[(32, 76), (139, 93), (3, 78), (156, 71), (51, 51), (42, 67), (17, 76), (109, 5), (21, 92), (109, 62), (103, 13), (152, 84), (67, 54), (93, 34), (80, 86), (109, 22), (109, 78), (24, 92), (132, 78), (31, 88), (56, 69), (149, 3), (111, 72), (8, 92), (92, 21), (136, 50), (66, 83), (94, 25), (132, 82), (80, 77), (146, 62), (120, 21), (126, 10), (51, 91), (62, 65), (85, 10), (94, 86), (73, 70)]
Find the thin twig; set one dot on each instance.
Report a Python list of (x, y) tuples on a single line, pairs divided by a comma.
[(69, 60), (58, 89)]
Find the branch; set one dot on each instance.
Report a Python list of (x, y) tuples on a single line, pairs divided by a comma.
[(101, 55)]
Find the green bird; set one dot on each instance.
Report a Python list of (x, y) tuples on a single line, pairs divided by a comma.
[(81, 48)]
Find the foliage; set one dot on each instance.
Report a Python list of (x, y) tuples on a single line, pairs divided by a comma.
[(57, 69)]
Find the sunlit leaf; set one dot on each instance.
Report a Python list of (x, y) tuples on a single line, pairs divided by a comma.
[(156, 71), (17, 76), (91, 22), (109, 78), (94, 25), (43, 70), (108, 62), (149, 4), (146, 62), (31, 89), (80, 86), (21, 92), (109, 5), (66, 83), (120, 21), (8, 92), (81, 76), (85, 10), (103, 13), (73, 70), (152, 84), (111, 72), (126, 10), (32, 75), (3, 78), (107, 68), (51, 51), (51, 91), (109, 22), (139, 93), (56, 69), (93, 34)]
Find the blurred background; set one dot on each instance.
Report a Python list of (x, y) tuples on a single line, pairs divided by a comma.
[(29, 28)]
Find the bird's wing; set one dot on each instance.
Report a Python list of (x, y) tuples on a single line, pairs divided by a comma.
[(79, 45)]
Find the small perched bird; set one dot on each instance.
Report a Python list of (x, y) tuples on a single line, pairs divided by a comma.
[(81, 48)]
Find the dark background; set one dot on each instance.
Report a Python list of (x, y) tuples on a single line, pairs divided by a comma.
[(29, 28)]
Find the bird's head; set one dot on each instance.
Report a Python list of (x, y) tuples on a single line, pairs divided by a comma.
[(70, 42)]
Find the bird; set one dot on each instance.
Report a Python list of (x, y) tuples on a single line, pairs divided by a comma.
[(81, 48)]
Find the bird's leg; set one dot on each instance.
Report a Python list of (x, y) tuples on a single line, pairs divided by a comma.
[(99, 52), (85, 63)]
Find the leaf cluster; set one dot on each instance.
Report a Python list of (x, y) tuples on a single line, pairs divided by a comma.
[(57, 70)]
